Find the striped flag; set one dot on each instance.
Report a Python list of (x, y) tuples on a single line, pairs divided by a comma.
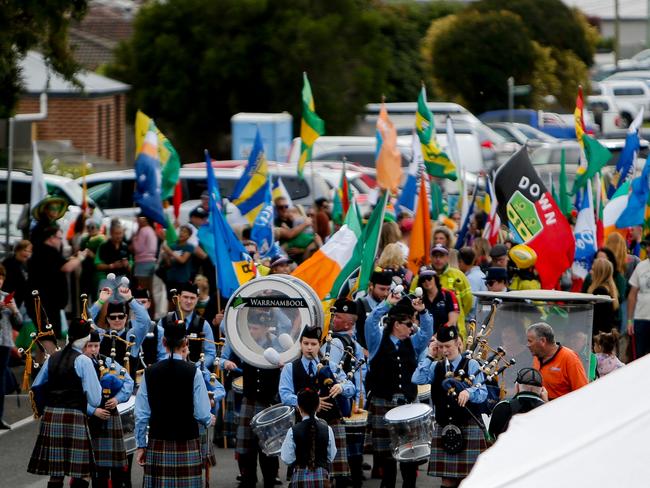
[(311, 125), (249, 194), (625, 163), (342, 199), (615, 207)]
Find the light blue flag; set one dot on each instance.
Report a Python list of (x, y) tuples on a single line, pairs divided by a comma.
[(634, 212), (262, 231), (625, 163)]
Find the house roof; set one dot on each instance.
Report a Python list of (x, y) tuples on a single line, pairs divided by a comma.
[(34, 72)]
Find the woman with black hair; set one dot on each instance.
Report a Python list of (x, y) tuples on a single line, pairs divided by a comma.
[(309, 445)]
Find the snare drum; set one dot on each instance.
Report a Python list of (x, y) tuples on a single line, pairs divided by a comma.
[(127, 416), (424, 393), (411, 429), (355, 432), (238, 385), (357, 419), (271, 426)]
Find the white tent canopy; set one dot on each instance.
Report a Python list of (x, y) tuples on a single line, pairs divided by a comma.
[(597, 436)]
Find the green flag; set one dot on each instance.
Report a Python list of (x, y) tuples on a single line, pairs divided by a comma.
[(437, 202), (171, 169), (370, 240), (564, 202), (342, 199), (597, 156), (311, 126), (353, 221)]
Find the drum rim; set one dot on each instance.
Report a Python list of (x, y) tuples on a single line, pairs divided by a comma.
[(289, 411), (426, 411), (126, 406)]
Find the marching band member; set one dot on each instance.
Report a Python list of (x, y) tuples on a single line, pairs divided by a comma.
[(105, 423), (307, 372), (195, 326), (393, 354), (172, 400), (344, 348), (68, 384), (260, 392), (117, 321), (378, 290), (309, 446), (451, 460)]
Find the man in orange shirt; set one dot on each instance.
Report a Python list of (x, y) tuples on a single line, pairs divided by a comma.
[(562, 371)]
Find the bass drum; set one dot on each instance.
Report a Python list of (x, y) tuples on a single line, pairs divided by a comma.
[(265, 317)]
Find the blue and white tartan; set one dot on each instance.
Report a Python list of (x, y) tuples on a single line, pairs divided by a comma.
[(108, 442), (173, 464), (63, 447), (445, 465), (247, 441), (307, 478), (377, 426), (340, 466)]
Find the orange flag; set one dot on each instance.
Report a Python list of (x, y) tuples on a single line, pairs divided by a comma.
[(389, 159), (420, 245)]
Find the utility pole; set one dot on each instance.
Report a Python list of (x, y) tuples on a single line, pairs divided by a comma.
[(617, 33), (511, 99), (647, 26)]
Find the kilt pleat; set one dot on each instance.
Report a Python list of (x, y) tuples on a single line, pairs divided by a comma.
[(231, 415), (306, 478), (340, 465), (247, 441), (107, 439), (445, 465), (63, 447), (207, 448), (173, 464), (377, 426)]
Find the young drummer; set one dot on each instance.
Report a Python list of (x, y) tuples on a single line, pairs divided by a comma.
[(309, 446), (453, 408), (105, 423), (307, 372), (69, 384)]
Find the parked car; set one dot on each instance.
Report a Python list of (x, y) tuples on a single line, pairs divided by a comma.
[(635, 92), (21, 185), (522, 134), (612, 118), (643, 75), (113, 190), (549, 122)]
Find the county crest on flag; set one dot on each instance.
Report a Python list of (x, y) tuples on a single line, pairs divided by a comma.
[(533, 217)]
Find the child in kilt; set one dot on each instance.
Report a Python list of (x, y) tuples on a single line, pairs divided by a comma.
[(68, 384), (105, 423), (309, 445)]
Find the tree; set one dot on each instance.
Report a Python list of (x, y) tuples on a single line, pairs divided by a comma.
[(40, 25), (473, 58), (550, 23), (192, 64)]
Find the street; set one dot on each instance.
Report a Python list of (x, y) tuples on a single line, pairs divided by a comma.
[(16, 447)]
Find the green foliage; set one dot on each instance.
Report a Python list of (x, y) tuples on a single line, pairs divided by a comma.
[(479, 76), (193, 64), (34, 24), (549, 22)]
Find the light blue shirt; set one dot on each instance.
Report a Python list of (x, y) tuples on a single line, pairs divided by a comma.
[(288, 452), (425, 372), (139, 324), (476, 279), (127, 387), (143, 410), (374, 331), (288, 394), (209, 349), (216, 388), (84, 368), (336, 356)]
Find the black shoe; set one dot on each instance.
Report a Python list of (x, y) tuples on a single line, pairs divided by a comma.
[(277, 482), (4, 425)]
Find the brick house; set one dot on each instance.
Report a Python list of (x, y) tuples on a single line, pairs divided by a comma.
[(90, 119)]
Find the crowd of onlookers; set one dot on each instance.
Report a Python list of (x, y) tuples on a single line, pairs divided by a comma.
[(93, 250)]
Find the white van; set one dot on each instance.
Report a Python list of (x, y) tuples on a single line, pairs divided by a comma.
[(635, 92)]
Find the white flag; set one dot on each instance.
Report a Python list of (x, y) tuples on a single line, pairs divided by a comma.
[(39, 190)]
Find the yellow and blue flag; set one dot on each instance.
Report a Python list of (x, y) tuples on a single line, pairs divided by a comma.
[(262, 231), (233, 264), (147, 179), (250, 191)]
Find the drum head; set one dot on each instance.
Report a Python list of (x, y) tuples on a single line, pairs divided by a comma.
[(265, 317), (272, 414), (407, 412), (127, 405)]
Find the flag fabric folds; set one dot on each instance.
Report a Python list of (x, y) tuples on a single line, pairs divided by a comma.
[(635, 211), (311, 125), (250, 192), (280, 191), (227, 253), (436, 161), (493, 225), (342, 199), (370, 238), (533, 217), (407, 197), (465, 222), (322, 269), (147, 180), (389, 158), (38, 189), (585, 237), (565, 201), (262, 231), (625, 163), (615, 207), (170, 161), (420, 243)]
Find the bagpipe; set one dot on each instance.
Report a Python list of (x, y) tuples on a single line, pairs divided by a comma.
[(477, 347), (43, 330)]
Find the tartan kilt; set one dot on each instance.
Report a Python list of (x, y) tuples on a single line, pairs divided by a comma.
[(445, 465), (207, 450), (108, 441), (377, 426), (63, 447), (173, 464), (231, 415), (306, 478), (247, 441), (340, 466)]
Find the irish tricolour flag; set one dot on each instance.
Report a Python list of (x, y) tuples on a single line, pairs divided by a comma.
[(322, 269)]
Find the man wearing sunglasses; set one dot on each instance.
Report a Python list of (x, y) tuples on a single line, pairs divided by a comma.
[(393, 352), (496, 279)]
